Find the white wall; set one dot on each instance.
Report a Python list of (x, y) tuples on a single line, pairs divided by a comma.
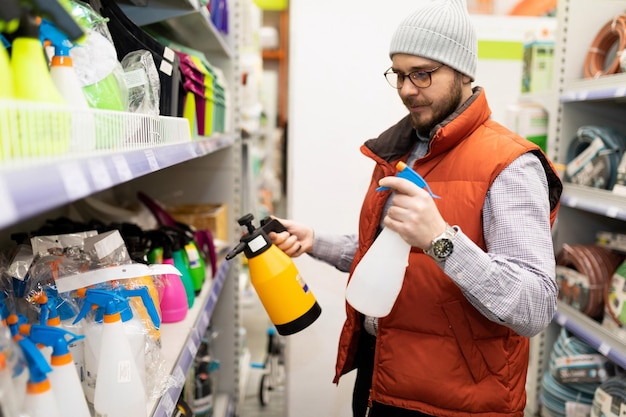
[(338, 98)]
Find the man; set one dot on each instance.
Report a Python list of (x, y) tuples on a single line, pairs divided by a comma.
[(480, 279)]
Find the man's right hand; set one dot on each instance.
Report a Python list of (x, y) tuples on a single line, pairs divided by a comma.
[(298, 238)]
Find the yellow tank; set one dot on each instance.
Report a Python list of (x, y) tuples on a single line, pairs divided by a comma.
[(286, 297)]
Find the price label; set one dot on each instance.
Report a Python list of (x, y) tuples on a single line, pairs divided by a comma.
[(152, 161), (99, 174), (8, 212), (74, 181), (612, 212), (122, 168), (604, 349)]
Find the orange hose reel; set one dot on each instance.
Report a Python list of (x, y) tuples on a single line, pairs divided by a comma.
[(612, 34)]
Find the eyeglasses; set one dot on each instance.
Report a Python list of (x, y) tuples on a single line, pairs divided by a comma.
[(419, 78)]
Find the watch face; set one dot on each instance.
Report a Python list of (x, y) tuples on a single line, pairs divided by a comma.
[(442, 248)]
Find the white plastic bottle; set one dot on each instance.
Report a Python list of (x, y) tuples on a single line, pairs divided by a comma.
[(378, 278), (39, 400), (64, 379), (119, 390)]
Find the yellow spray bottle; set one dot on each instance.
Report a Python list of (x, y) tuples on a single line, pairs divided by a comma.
[(6, 93), (47, 126), (285, 296)]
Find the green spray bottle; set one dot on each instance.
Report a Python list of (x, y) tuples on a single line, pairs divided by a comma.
[(181, 261), (50, 131), (9, 20), (6, 92)]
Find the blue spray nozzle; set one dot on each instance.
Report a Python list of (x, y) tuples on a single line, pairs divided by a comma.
[(14, 321), (38, 366), (110, 301), (54, 337), (60, 306), (59, 40), (147, 301), (406, 172)]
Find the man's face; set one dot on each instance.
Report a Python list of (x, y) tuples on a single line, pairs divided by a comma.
[(430, 105)]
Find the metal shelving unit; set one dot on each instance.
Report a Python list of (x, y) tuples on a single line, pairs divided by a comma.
[(577, 102), (34, 188)]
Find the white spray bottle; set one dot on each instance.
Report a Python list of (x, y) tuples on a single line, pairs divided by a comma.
[(134, 328), (377, 279), (12, 363), (39, 400), (64, 379), (119, 390)]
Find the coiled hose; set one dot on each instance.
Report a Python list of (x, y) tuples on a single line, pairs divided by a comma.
[(612, 34), (597, 264), (606, 161)]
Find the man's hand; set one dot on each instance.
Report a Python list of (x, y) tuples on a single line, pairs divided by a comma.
[(298, 239), (413, 213)]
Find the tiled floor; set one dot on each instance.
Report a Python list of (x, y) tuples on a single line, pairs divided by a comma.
[(256, 322)]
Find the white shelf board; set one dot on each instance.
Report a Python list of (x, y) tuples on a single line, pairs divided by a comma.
[(609, 87), (185, 19), (592, 333), (180, 341), (594, 200), (33, 187)]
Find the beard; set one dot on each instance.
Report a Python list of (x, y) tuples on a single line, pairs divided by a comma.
[(441, 109)]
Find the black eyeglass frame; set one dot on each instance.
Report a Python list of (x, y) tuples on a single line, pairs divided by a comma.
[(412, 76)]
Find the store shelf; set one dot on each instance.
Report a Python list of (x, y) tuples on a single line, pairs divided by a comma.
[(594, 200), (180, 341), (608, 87), (592, 333), (181, 21), (56, 181)]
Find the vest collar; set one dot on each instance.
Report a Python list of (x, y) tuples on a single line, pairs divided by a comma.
[(399, 139)]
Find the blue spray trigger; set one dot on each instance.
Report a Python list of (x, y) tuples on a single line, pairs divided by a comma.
[(406, 172)]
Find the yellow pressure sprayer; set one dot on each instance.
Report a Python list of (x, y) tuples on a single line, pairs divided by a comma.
[(285, 296)]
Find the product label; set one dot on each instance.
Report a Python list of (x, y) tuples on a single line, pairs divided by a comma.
[(135, 78), (303, 284), (585, 156), (124, 372), (581, 369), (193, 255)]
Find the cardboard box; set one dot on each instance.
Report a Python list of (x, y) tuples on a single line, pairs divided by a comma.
[(203, 216)]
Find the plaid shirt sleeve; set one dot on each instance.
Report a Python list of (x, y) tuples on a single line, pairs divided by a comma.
[(336, 250), (513, 283)]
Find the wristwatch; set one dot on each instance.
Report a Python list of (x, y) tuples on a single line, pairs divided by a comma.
[(443, 245)]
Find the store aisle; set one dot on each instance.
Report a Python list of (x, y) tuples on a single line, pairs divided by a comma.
[(256, 323)]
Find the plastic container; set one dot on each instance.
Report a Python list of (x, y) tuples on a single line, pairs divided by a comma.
[(120, 390), (39, 400), (378, 278), (65, 382), (6, 93)]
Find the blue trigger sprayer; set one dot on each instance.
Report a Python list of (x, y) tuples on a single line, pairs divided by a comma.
[(39, 400), (64, 379), (406, 172), (119, 389), (377, 279)]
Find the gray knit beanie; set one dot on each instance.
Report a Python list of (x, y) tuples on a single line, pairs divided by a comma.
[(441, 31)]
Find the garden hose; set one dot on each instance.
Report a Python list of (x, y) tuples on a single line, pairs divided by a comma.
[(594, 262), (612, 34), (604, 170), (609, 398)]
